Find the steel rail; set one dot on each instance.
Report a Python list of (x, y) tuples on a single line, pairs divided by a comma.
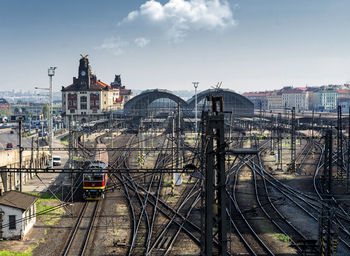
[(234, 201), (261, 206), (74, 231), (88, 233)]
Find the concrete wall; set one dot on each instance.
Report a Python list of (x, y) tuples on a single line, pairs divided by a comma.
[(29, 219), (10, 159), (23, 222)]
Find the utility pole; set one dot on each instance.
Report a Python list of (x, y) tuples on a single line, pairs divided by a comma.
[(177, 176), (348, 165), (70, 156), (203, 164), (215, 180), (340, 173), (230, 135), (327, 171), (32, 157), (172, 145), (37, 144), (20, 151), (279, 143), (51, 73), (195, 84), (328, 237), (292, 144), (312, 126)]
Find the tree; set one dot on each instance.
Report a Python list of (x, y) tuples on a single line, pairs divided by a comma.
[(4, 111), (46, 110)]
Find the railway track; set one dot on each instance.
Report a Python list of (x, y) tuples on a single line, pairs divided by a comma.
[(254, 244), (144, 200), (266, 204), (79, 237), (309, 204)]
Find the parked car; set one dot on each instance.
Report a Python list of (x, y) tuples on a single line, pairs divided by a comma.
[(56, 161), (9, 146)]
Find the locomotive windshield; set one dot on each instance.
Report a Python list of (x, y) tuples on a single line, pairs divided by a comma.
[(93, 177)]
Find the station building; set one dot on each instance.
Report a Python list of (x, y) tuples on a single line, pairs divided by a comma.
[(88, 99)]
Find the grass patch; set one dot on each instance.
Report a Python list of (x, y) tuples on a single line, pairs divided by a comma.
[(65, 140), (167, 183), (8, 253), (78, 158), (282, 237), (45, 202)]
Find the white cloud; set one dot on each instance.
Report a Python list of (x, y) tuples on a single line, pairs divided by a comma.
[(114, 44), (141, 42), (132, 15), (118, 46), (178, 17)]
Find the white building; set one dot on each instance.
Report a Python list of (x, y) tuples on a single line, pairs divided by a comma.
[(274, 101), (325, 99), (295, 98), (17, 214)]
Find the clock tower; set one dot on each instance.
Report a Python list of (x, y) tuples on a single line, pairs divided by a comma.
[(84, 74)]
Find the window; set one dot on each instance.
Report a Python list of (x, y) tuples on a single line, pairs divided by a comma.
[(12, 221), (83, 102)]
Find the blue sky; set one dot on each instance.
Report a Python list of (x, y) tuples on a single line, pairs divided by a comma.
[(247, 44)]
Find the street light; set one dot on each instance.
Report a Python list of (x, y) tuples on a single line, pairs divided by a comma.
[(195, 84), (51, 73)]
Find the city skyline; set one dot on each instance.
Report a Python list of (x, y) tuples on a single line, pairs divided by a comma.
[(248, 45)]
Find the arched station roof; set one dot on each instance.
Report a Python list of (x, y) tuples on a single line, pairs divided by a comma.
[(221, 92), (238, 104), (145, 98), (234, 102)]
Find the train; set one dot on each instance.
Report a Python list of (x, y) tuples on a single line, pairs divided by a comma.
[(95, 181)]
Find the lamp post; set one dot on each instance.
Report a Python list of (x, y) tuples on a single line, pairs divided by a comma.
[(51, 73), (195, 84)]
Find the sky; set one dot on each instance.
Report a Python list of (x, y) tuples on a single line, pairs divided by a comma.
[(248, 45)]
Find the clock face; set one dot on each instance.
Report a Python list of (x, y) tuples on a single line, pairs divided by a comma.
[(82, 73)]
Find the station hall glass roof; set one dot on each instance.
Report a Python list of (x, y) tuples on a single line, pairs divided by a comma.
[(163, 101)]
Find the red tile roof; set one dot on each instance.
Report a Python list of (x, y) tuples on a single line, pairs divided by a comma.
[(94, 84), (119, 99), (343, 91), (102, 84)]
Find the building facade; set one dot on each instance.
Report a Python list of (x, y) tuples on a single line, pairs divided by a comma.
[(259, 99), (124, 94), (274, 100), (325, 100), (88, 98), (295, 97)]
